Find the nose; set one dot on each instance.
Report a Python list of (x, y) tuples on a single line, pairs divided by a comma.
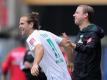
[(74, 15), (19, 26)]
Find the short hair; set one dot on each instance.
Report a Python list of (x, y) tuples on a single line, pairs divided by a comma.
[(33, 17), (88, 9)]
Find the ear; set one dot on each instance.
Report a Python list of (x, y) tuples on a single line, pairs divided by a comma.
[(86, 15), (31, 24)]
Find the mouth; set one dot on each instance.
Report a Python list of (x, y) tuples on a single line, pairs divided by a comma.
[(74, 19), (21, 30)]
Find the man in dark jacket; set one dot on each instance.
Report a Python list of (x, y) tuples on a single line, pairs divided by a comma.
[(87, 46)]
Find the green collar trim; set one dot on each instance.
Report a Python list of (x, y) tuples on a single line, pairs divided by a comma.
[(89, 27)]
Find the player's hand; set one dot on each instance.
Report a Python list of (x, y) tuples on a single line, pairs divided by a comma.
[(68, 41), (64, 35), (35, 70)]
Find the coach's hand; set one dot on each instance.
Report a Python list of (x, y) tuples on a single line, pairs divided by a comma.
[(35, 70)]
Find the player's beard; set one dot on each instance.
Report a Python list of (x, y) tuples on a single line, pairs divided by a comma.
[(78, 21)]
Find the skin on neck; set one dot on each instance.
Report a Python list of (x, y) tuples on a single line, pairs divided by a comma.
[(30, 32), (84, 24)]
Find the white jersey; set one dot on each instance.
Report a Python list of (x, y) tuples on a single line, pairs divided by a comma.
[(53, 63)]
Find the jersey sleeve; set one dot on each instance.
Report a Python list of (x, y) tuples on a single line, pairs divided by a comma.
[(33, 41)]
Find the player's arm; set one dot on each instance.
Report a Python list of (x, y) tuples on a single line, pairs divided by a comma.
[(39, 51), (67, 47), (67, 43)]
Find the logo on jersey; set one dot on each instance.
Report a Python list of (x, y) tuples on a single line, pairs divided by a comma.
[(89, 40), (80, 40), (32, 40)]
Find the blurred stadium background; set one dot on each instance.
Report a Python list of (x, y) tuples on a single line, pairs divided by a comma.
[(55, 16)]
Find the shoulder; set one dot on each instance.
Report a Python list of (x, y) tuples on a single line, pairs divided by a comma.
[(98, 31)]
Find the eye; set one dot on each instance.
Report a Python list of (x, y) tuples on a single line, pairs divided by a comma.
[(21, 23)]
